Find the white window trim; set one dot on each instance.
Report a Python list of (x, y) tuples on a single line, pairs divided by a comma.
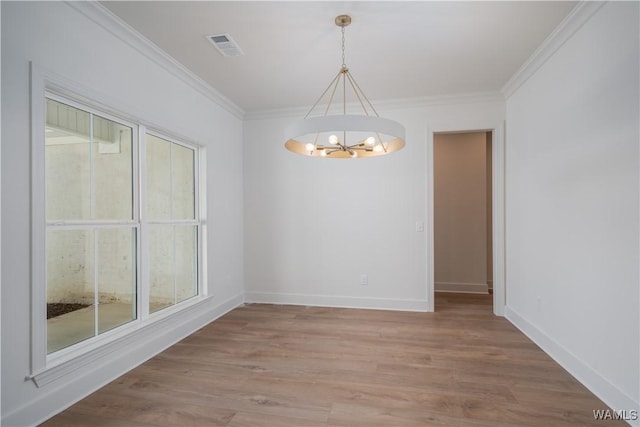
[(46, 368)]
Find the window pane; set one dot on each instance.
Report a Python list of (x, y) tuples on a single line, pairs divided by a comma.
[(116, 277), (182, 177), (186, 262), (158, 197), (113, 170), (70, 287), (67, 162), (173, 265), (170, 180), (161, 276)]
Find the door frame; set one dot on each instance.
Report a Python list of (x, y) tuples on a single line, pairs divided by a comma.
[(498, 207)]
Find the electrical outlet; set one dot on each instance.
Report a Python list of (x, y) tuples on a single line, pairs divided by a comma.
[(364, 279)]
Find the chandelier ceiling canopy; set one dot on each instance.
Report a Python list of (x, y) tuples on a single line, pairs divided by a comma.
[(344, 135)]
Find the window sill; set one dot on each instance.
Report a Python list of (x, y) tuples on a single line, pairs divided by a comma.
[(59, 366)]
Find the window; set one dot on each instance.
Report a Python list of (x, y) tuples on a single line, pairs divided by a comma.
[(122, 225), (173, 229), (91, 225)]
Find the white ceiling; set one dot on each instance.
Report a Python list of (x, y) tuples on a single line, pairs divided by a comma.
[(394, 49)]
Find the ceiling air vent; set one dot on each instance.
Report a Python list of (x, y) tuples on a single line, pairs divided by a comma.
[(225, 44)]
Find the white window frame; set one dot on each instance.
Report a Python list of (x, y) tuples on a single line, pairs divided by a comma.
[(145, 223), (46, 368), (94, 224)]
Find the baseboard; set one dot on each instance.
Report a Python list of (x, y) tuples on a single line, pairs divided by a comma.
[(88, 379), (601, 387), (468, 288), (336, 301)]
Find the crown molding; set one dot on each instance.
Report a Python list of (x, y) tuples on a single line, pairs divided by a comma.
[(389, 104), (116, 26), (439, 100), (563, 32)]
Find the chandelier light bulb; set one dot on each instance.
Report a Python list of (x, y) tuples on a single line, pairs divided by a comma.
[(309, 146), (370, 141), (323, 153), (333, 140), (378, 148), (353, 154)]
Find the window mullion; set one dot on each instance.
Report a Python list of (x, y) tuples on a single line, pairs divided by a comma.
[(137, 219), (173, 227), (174, 222), (92, 215), (171, 201), (89, 225), (135, 171), (201, 195), (196, 192), (92, 198), (96, 236), (175, 268), (143, 244), (143, 273), (197, 217)]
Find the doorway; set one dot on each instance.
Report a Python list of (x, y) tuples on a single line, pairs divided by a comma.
[(463, 262), (493, 280)]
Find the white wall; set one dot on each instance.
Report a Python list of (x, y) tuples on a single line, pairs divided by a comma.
[(572, 205), (313, 226), (61, 40)]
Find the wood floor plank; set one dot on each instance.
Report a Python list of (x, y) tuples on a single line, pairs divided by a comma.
[(152, 411), (73, 417), (275, 365), (246, 419)]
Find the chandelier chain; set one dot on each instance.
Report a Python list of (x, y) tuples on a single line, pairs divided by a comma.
[(344, 65)]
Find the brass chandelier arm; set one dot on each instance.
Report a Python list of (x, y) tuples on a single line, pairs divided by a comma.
[(345, 71), (333, 92), (351, 82), (335, 87), (349, 149), (335, 80), (365, 96)]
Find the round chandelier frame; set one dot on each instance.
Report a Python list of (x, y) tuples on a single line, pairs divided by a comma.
[(349, 135)]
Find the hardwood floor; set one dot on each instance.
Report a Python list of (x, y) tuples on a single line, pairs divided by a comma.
[(271, 365)]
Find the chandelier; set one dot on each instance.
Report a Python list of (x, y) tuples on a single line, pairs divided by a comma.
[(344, 135)]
